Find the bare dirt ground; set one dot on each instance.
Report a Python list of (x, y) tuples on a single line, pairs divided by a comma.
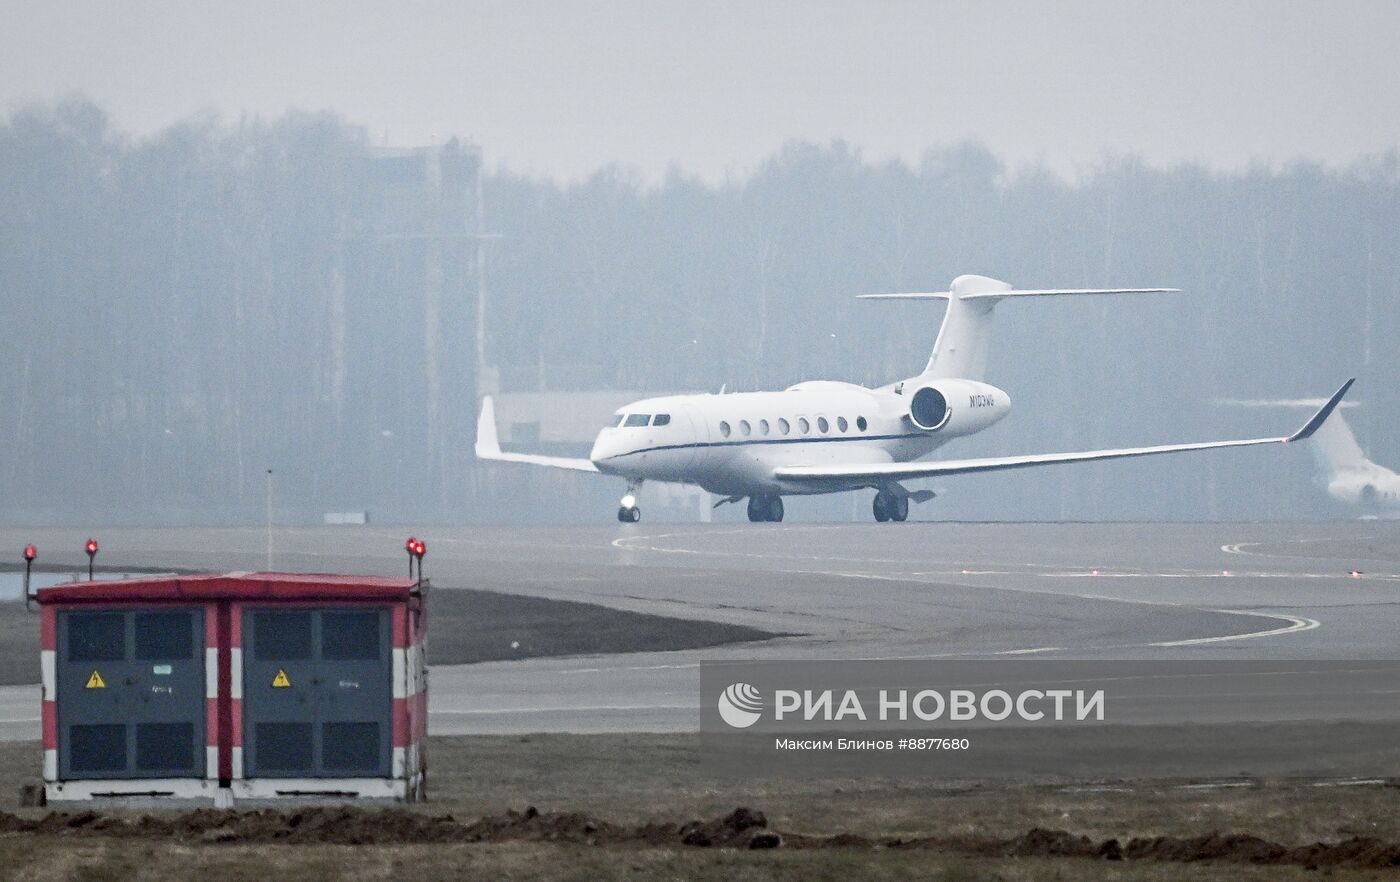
[(642, 807), (99, 860), (741, 829)]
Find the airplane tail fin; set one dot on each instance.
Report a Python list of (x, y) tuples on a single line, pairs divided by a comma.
[(1333, 444), (965, 336)]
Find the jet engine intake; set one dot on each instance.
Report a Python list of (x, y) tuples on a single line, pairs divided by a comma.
[(929, 409), (956, 407)]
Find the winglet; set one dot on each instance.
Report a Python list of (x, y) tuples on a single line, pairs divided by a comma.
[(487, 444), (1322, 414)]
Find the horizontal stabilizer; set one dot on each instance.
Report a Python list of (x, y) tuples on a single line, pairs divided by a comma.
[(965, 336), (1028, 292)]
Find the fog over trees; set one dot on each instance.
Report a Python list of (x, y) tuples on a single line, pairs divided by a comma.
[(185, 311)]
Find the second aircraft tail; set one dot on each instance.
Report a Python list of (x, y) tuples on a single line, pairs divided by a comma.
[(1334, 445)]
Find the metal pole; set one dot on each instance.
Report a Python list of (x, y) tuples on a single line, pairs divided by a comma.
[(480, 288), (269, 520)]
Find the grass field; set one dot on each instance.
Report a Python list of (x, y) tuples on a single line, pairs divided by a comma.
[(636, 779)]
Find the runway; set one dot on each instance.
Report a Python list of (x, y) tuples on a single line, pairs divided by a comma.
[(842, 591)]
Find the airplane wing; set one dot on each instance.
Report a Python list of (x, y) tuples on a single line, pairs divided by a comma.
[(489, 447), (898, 470)]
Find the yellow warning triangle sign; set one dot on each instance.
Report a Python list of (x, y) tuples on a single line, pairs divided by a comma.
[(95, 681), (278, 682)]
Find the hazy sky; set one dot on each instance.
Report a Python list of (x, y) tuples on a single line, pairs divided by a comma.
[(560, 88)]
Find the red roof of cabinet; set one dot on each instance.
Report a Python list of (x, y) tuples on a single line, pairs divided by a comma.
[(231, 586)]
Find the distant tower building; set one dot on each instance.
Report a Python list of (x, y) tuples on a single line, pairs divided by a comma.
[(407, 297)]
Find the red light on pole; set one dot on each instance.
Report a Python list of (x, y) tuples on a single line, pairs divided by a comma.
[(420, 549), (409, 545), (30, 552), (91, 549)]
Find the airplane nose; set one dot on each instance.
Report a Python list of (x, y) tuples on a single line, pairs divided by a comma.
[(603, 449)]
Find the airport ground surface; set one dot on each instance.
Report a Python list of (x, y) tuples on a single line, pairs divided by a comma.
[(914, 590), (843, 591)]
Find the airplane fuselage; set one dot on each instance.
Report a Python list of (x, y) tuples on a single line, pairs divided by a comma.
[(731, 444)]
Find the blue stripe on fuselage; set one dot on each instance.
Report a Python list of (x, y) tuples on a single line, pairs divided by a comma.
[(699, 444)]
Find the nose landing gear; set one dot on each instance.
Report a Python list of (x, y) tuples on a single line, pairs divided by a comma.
[(890, 507), (628, 512), (765, 508)]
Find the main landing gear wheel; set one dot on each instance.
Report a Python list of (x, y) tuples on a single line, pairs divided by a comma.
[(889, 507), (765, 508)]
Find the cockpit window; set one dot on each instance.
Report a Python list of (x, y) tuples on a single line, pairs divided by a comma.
[(637, 419), (661, 419), (616, 421)]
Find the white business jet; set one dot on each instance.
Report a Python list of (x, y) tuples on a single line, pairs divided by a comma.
[(1349, 476), (830, 437)]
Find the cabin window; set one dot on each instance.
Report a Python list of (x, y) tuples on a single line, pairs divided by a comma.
[(637, 419), (661, 419), (744, 428), (763, 427), (822, 425), (723, 429), (803, 425), (842, 424), (860, 423), (783, 426)]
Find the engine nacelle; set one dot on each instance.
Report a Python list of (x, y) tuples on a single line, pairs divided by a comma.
[(1363, 488), (956, 407)]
